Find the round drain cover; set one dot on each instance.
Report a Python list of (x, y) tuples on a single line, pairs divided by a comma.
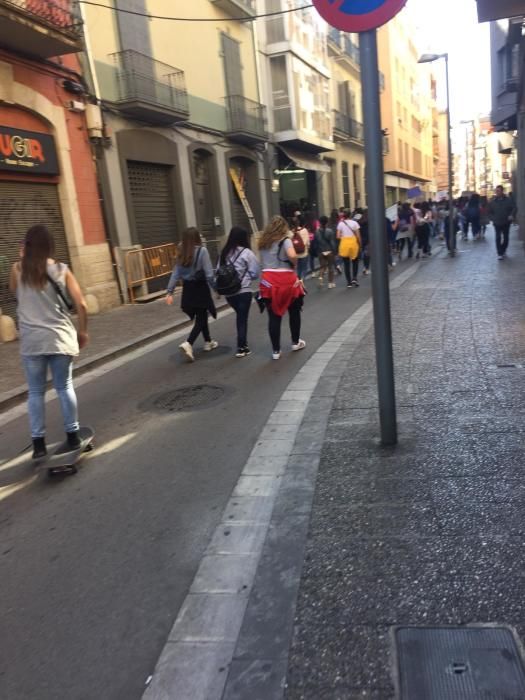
[(188, 398)]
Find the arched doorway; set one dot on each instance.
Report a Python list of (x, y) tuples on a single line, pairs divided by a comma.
[(247, 171)]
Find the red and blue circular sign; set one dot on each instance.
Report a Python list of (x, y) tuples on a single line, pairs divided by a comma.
[(358, 15)]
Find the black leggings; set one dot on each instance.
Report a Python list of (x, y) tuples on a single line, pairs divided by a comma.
[(200, 325), (355, 269), (274, 323)]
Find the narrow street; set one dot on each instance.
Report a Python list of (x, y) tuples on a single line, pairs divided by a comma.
[(95, 567)]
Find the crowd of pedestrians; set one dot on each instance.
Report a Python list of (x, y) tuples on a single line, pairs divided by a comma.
[(289, 249), (47, 291)]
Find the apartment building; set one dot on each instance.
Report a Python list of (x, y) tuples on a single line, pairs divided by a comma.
[(296, 87), (345, 183), (407, 104), (47, 172), (184, 126)]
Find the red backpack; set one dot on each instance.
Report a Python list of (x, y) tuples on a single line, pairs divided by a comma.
[(298, 243)]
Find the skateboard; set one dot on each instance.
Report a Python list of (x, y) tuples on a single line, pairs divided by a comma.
[(64, 460)]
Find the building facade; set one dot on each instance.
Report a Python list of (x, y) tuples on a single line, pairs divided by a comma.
[(185, 132), (47, 169), (407, 104), (296, 87), (345, 183)]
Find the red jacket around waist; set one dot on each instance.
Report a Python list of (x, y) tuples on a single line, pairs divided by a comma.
[(282, 287)]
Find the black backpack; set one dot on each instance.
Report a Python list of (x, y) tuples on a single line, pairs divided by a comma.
[(227, 280)]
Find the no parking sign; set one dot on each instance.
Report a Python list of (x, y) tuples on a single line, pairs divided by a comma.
[(358, 15)]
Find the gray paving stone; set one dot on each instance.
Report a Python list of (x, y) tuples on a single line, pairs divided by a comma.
[(189, 670), (237, 539), (209, 618), (225, 574), (249, 509), (260, 679)]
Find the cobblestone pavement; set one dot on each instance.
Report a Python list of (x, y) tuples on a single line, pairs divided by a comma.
[(432, 531)]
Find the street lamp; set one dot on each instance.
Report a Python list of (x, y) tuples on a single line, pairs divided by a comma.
[(430, 58)]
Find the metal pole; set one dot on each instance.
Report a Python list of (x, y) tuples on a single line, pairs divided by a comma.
[(451, 227), (377, 232)]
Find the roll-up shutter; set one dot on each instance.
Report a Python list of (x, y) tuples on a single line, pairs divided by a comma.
[(152, 199), (23, 205)]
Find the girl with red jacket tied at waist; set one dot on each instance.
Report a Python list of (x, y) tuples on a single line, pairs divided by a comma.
[(280, 287)]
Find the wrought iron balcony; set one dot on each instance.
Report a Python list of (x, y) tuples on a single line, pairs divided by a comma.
[(41, 28), (246, 120), (346, 48), (243, 9), (345, 128), (149, 90)]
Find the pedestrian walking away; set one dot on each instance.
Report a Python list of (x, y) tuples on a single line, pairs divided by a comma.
[(472, 214), (48, 338), (501, 213), (405, 226), (280, 286), (365, 241), (326, 243), (349, 247), (484, 216), (195, 271), (301, 244), (238, 267), (423, 217)]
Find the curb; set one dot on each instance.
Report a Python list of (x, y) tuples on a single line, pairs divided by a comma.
[(11, 398)]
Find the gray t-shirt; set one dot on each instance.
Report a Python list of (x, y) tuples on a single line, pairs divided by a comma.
[(45, 325), (276, 259)]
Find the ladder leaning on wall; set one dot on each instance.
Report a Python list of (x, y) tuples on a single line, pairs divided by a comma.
[(239, 188)]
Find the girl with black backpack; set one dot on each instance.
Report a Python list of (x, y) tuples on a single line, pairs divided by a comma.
[(237, 269)]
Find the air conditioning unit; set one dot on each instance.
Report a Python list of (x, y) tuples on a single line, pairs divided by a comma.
[(94, 122), (76, 106)]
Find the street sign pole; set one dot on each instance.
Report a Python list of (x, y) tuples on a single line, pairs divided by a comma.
[(377, 232)]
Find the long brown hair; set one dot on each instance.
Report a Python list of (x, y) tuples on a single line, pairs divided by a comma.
[(191, 238), (38, 247), (275, 230)]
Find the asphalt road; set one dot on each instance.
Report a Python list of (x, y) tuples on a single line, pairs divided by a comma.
[(94, 567)]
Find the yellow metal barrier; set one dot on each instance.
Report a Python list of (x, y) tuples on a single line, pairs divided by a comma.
[(147, 264)]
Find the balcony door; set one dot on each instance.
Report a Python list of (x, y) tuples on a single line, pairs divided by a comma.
[(231, 57)]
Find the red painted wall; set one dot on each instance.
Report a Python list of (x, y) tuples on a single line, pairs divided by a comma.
[(48, 81)]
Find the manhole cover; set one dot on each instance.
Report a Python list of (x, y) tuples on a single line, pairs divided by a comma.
[(186, 398), (458, 663)]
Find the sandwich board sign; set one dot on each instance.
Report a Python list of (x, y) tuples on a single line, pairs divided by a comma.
[(358, 15)]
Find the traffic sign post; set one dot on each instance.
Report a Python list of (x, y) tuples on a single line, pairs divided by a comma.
[(364, 17)]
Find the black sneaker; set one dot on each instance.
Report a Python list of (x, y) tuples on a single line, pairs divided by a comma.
[(242, 352), (355, 283), (73, 440), (39, 448)]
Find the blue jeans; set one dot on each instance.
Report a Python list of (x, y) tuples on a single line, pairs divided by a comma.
[(35, 367), (302, 267), (241, 304)]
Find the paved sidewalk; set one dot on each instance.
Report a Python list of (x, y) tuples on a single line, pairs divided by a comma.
[(431, 532), (111, 333), (363, 538)]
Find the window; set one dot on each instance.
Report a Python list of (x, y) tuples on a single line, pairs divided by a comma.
[(282, 111), (346, 184), (356, 177), (502, 72), (401, 154), (407, 157)]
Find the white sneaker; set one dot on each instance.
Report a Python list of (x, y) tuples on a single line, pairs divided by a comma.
[(187, 350), (276, 355), (210, 345), (331, 285), (299, 346)]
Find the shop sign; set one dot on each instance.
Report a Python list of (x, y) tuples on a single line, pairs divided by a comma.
[(27, 152), (358, 15)]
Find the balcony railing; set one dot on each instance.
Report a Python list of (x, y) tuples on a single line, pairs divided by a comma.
[(150, 90), (242, 9), (246, 120), (346, 46), (43, 28), (348, 127)]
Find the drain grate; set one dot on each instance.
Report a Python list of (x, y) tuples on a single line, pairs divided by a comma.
[(458, 663), (186, 398)]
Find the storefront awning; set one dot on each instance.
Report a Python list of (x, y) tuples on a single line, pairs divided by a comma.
[(305, 161)]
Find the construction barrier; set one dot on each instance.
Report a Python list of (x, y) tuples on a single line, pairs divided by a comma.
[(145, 264)]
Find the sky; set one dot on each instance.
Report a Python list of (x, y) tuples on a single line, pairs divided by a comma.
[(452, 26)]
